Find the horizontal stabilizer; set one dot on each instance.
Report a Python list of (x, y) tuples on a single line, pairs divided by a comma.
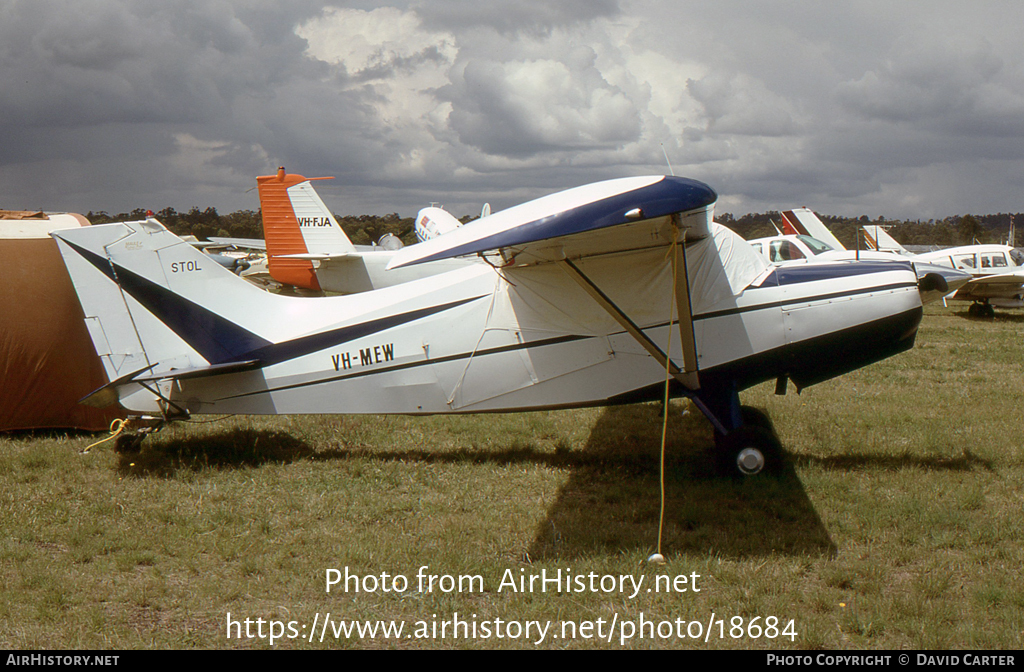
[(107, 395), (318, 256), (550, 225), (201, 371), (242, 243)]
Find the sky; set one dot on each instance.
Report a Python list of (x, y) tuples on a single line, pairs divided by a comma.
[(910, 109)]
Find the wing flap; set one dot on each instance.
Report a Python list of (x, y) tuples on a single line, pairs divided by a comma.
[(1008, 279)]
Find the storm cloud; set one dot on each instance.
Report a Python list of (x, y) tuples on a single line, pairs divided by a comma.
[(899, 109)]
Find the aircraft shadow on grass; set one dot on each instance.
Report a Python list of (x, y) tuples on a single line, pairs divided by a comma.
[(853, 463), (614, 504), (611, 500), (234, 448), (1001, 316)]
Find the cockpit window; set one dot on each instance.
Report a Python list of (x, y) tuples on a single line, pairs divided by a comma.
[(817, 246), (783, 250)]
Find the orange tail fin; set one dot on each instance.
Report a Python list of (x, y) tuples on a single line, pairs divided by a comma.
[(281, 231)]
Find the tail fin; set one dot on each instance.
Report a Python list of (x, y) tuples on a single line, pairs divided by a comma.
[(803, 221), (878, 239), (155, 305), (296, 222)]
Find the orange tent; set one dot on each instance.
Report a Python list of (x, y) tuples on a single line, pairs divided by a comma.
[(47, 361)]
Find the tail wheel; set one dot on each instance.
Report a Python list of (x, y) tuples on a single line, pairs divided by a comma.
[(129, 443), (748, 451)]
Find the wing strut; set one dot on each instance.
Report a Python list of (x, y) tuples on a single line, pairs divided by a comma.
[(684, 309), (688, 374)]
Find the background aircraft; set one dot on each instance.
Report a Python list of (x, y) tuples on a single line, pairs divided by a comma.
[(997, 271), (602, 294), (935, 281), (307, 248)]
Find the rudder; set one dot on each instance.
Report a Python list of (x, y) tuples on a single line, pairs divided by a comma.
[(296, 221)]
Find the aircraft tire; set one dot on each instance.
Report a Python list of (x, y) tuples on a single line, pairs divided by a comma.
[(748, 451), (981, 310)]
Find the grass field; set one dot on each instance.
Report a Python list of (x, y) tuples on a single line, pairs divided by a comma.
[(896, 523)]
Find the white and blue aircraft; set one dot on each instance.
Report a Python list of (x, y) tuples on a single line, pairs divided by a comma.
[(995, 272), (602, 294)]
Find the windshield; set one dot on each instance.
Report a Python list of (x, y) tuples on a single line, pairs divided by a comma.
[(817, 247), (1017, 254)]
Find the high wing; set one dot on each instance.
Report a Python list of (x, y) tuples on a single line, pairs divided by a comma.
[(621, 216), (635, 209)]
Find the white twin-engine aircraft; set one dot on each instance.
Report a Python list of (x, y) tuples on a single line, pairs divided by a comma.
[(590, 296), (994, 273)]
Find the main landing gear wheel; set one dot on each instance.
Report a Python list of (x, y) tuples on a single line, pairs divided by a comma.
[(747, 451)]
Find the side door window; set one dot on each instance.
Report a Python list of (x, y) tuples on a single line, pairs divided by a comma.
[(993, 260)]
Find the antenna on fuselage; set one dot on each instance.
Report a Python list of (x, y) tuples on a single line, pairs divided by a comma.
[(672, 172)]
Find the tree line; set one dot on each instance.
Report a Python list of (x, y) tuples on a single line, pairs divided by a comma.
[(367, 229), (361, 230), (947, 232)]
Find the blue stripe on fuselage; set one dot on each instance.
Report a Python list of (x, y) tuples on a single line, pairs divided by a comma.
[(220, 340), (798, 273), (217, 339)]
